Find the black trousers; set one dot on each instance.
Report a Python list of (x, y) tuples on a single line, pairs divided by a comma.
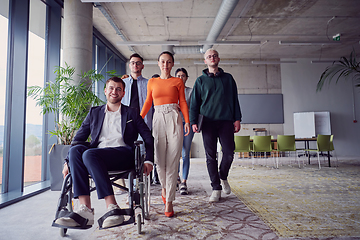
[(97, 162), (211, 132)]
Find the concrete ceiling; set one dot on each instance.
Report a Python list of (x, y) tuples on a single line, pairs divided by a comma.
[(268, 21)]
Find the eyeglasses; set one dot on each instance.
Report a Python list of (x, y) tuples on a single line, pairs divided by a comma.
[(212, 56), (136, 63)]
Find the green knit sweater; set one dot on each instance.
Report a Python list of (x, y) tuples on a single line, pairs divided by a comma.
[(215, 97)]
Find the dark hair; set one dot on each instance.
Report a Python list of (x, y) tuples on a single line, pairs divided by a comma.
[(168, 53), (155, 76), (116, 79), (181, 70), (137, 56)]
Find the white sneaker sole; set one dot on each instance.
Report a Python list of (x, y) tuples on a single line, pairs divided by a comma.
[(113, 221), (69, 222), (214, 200)]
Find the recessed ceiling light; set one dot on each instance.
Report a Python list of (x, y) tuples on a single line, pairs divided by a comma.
[(305, 43), (271, 62), (140, 43), (323, 61), (230, 43)]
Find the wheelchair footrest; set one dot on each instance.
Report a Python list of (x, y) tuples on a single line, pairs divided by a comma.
[(76, 217), (78, 227), (128, 212)]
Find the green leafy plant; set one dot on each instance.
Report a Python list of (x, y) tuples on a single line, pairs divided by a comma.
[(67, 100), (344, 68)]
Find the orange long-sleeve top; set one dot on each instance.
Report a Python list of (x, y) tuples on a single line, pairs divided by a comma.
[(166, 91)]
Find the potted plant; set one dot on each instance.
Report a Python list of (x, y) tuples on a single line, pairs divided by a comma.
[(69, 101), (344, 68)]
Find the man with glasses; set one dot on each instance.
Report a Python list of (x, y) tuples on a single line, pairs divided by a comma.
[(136, 90), (136, 87), (215, 97)]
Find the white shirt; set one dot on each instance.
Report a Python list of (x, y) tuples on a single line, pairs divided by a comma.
[(111, 135)]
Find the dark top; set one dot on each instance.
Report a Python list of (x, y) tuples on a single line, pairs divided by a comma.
[(134, 101), (215, 96), (132, 124)]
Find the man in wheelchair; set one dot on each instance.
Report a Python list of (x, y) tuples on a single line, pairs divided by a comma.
[(113, 128)]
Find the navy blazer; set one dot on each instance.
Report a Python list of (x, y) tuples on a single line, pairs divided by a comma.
[(132, 124)]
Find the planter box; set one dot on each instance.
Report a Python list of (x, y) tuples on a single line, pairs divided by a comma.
[(57, 156)]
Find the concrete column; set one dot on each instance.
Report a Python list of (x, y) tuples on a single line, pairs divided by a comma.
[(78, 33)]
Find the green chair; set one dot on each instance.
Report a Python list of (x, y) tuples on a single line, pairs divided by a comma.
[(242, 144), (332, 143), (332, 149), (286, 143), (323, 145), (262, 144), (251, 142)]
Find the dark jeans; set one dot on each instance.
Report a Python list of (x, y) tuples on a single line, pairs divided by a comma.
[(97, 162), (211, 131)]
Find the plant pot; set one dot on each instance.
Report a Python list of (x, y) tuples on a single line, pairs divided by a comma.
[(57, 155)]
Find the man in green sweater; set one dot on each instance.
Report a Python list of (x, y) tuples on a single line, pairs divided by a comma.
[(215, 97)]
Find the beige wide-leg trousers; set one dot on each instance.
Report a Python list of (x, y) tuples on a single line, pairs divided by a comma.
[(168, 138)]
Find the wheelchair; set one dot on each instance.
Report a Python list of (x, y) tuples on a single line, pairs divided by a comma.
[(138, 196)]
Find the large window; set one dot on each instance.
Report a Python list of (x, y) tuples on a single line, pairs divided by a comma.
[(3, 57), (33, 49), (24, 38), (35, 76)]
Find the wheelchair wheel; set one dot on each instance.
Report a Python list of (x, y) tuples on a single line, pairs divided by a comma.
[(63, 232), (147, 197), (138, 222)]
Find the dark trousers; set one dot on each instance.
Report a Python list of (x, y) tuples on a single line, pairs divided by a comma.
[(211, 131), (97, 162)]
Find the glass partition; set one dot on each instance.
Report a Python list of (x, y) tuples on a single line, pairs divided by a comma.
[(35, 76), (3, 64)]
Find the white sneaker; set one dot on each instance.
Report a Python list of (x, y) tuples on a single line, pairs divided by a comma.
[(83, 211), (215, 196), (226, 187), (111, 221)]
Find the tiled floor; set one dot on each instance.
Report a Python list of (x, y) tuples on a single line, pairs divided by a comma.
[(195, 217)]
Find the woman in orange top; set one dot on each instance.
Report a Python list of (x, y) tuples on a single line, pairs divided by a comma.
[(168, 95)]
